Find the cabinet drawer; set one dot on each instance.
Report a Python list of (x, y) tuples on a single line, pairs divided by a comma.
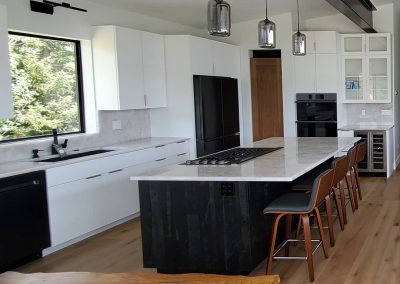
[(169, 150)]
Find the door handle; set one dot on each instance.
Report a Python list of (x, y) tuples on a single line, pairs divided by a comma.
[(116, 171), (92, 177), (159, 160)]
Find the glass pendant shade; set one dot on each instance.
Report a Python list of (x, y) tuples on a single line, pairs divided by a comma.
[(299, 39), (299, 44), (219, 18), (266, 34), (266, 31)]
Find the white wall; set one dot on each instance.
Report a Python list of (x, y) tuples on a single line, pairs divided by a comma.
[(245, 34), (337, 22), (396, 78)]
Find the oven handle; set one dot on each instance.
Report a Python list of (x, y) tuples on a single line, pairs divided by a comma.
[(315, 101), (319, 121)]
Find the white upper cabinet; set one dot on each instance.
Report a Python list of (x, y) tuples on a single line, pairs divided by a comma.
[(326, 73), (321, 42), (374, 44), (366, 68), (317, 71), (154, 71), (6, 101), (305, 74), (129, 69), (214, 58)]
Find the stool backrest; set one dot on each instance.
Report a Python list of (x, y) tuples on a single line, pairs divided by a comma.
[(321, 188), (339, 167), (361, 152), (351, 156)]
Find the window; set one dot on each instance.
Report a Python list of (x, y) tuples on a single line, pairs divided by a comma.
[(46, 87)]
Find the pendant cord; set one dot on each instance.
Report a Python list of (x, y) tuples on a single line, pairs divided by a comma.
[(298, 17), (266, 9)]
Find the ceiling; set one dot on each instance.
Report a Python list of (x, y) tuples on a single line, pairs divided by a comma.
[(193, 12)]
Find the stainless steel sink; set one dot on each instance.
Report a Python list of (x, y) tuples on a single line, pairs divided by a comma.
[(74, 156)]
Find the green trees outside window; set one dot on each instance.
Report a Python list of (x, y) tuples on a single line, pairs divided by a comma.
[(45, 87)]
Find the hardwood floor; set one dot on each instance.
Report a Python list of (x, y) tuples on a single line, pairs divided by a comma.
[(367, 251)]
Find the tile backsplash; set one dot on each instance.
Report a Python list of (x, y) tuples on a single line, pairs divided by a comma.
[(369, 114), (135, 124)]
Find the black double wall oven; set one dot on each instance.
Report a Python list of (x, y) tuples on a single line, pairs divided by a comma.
[(316, 115)]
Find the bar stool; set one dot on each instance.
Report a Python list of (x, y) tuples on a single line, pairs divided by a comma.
[(339, 167), (351, 157), (361, 153), (301, 204)]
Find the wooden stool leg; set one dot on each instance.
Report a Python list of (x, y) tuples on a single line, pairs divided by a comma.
[(339, 210), (354, 187), (273, 240), (358, 182), (321, 232), (350, 190), (328, 206), (288, 232), (343, 201), (308, 246)]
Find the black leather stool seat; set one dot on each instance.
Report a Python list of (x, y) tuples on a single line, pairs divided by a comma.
[(290, 202), (306, 181)]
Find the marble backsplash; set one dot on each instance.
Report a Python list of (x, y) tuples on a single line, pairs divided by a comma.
[(135, 125), (379, 114)]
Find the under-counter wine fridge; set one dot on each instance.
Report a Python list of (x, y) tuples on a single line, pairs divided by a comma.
[(375, 160)]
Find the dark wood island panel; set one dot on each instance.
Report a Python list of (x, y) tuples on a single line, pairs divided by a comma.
[(206, 227)]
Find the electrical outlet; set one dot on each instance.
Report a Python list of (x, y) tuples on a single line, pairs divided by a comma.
[(116, 124), (363, 112), (386, 112)]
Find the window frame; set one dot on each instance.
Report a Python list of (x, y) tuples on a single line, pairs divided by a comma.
[(79, 76)]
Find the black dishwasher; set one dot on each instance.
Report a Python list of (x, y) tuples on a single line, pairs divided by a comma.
[(24, 222)]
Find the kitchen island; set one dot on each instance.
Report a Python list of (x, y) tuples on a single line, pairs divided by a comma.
[(208, 218)]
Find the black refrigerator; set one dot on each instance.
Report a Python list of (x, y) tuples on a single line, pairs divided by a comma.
[(217, 114)]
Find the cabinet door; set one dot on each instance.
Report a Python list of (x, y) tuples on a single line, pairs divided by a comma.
[(325, 42), (310, 42), (6, 101), (353, 44), (73, 208), (354, 79), (378, 43), (202, 56), (305, 74), (379, 79), (226, 60), (326, 73), (154, 70), (130, 69)]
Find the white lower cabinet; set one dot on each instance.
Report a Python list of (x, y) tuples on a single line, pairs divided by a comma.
[(80, 205)]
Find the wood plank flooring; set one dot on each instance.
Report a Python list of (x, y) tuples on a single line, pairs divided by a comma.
[(368, 251)]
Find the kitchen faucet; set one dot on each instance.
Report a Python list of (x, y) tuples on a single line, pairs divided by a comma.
[(58, 148)]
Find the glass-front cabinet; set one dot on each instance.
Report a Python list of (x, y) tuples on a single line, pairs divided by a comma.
[(366, 68)]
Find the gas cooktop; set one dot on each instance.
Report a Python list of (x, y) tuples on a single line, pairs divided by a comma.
[(233, 156)]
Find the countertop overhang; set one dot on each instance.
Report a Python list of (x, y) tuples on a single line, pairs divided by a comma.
[(298, 156)]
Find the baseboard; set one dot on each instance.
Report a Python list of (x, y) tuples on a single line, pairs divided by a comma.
[(51, 250)]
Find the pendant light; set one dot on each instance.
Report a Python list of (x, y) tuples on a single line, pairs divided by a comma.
[(219, 18), (266, 31), (299, 39)]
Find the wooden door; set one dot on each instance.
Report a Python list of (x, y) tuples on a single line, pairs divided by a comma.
[(266, 93)]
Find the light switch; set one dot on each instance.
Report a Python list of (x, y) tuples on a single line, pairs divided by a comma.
[(116, 124)]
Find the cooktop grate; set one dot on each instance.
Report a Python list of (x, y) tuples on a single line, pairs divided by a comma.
[(232, 156)]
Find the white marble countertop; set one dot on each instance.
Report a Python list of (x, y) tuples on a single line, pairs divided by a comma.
[(298, 156), (30, 165), (360, 127)]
